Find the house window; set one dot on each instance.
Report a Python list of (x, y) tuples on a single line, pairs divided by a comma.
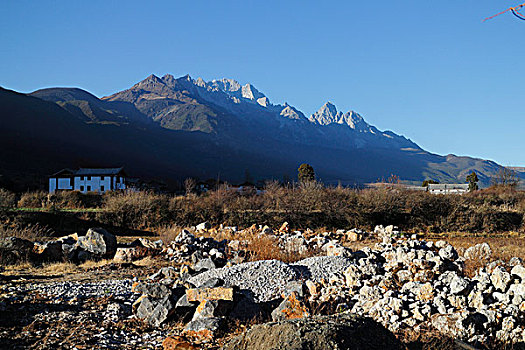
[(89, 188), (101, 188), (89, 178), (103, 178), (82, 188)]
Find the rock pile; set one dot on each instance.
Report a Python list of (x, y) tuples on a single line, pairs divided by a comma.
[(412, 284), (401, 283), (97, 244), (201, 253)]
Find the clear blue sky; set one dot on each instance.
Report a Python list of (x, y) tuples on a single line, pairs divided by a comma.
[(430, 70)]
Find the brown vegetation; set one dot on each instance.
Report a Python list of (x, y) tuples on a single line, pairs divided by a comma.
[(310, 205), (307, 205)]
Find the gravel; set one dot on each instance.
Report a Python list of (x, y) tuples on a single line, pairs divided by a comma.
[(322, 267), (119, 289), (266, 279)]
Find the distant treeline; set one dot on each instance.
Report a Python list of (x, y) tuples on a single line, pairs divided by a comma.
[(307, 205)]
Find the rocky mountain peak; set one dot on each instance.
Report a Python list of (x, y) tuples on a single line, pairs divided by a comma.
[(327, 114), (250, 92), (150, 81)]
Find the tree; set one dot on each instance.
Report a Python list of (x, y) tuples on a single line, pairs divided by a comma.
[(306, 173), (472, 180), (506, 178), (428, 182), (248, 178), (189, 185)]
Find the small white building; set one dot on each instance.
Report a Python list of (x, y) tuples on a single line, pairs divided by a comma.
[(85, 180), (448, 188)]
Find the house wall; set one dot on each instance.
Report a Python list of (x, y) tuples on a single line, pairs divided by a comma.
[(94, 183), (52, 185), (63, 184)]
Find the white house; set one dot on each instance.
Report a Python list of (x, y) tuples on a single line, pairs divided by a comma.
[(85, 180), (448, 188)]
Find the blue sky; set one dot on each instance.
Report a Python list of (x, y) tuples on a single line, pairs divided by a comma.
[(430, 70)]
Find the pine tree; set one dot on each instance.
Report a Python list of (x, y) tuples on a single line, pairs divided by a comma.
[(306, 173), (472, 180)]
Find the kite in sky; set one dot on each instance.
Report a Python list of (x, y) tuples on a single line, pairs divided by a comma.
[(515, 11)]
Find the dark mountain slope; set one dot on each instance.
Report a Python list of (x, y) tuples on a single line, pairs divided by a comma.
[(169, 129), (90, 108), (40, 137)]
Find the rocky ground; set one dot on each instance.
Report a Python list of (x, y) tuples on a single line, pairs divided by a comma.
[(203, 289)]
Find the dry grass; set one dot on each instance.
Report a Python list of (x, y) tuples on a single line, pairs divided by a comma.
[(503, 247), (147, 261), (30, 232), (425, 339), (52, 269), (261, 247), (168, 233)]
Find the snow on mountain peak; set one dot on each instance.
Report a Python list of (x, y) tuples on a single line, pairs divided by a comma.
[(328, 114)]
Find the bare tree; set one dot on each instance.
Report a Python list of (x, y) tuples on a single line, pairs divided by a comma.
[(506, 177), (189, 185)]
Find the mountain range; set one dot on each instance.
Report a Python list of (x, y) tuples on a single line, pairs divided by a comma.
[(171, 128)]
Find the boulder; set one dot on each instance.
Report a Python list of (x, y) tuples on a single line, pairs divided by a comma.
[(500, 278), (203, 328), (204, 264), (341, 331), (14, 250), (480, 251), (292, 307), (201, 294), (519, 271), (129, 254), (154, 290), (202, 227), (185, 237), (48, 252), (354, 236), (161, 312), (177, 343), (99, 242)]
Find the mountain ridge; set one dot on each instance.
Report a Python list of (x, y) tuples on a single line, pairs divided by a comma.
[(223, 128)]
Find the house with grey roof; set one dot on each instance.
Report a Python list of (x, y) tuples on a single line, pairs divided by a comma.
[(448, 188), (85, 180)]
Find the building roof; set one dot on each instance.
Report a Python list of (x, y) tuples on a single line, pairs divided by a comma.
[(99, 171), (89, 172), (66, 171), (448, 186)]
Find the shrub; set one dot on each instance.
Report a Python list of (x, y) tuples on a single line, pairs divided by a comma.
[(7, 199), (136, 210), (36, 199)]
